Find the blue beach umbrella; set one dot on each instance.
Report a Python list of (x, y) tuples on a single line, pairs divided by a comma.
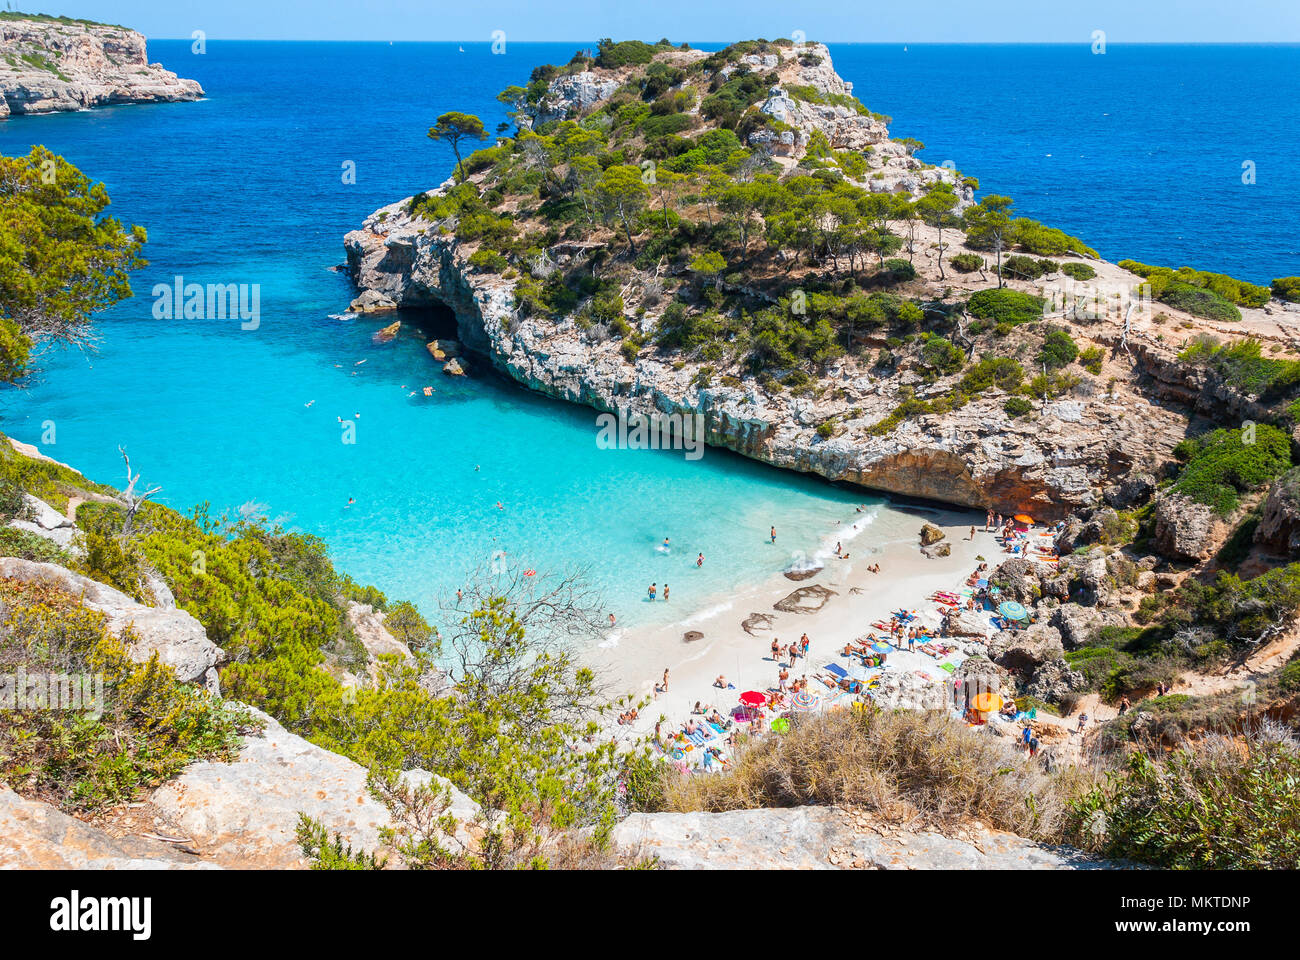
[(1012, 610)]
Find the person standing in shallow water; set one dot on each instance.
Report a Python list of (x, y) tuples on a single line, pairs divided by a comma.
[(699, 561), (774, 534), (654, 590), (665, 593)]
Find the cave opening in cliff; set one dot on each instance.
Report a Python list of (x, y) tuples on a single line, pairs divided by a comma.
[(435, 321)]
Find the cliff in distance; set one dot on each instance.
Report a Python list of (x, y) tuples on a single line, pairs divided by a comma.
[(52, 64)]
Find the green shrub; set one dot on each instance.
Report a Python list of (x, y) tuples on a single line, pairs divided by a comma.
[(1220, 466), (966, 262), (1287, 288), (1020, 267), (1058, 350), (1078, 271), (1017, 406), (1091, 359), (898, 271), (1006, 306), (1215, 806), (1001, 372), (489, 260), (149, 726), (1222, 286)]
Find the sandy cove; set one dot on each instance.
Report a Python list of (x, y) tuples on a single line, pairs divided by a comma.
[(906, 580)]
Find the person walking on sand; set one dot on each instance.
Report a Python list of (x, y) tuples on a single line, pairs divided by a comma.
[(793, 654), (665, 679), (781, 678), (972, 533), (776, 648), (803, 645)]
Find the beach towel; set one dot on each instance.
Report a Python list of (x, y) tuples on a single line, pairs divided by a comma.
[(881, 647), (837, 670), (948, 666)]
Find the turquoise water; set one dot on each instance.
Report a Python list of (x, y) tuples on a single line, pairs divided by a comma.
[(246, 187)]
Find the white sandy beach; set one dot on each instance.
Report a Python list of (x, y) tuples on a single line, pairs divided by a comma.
[(635, 659)]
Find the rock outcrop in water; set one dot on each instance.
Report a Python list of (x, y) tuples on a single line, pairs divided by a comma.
[(977, 455), (49, 65)]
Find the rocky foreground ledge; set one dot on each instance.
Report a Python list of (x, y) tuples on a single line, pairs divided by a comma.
[(49, 65)]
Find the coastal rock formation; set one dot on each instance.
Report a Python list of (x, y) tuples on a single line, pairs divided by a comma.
[(1025, 650), (36, 836), (826, 838), (245, 814), (179, 640), (930, 534), (1279, 526), (1185, 529), (46, 522), (968, 623), (976, 456), (52, 64)]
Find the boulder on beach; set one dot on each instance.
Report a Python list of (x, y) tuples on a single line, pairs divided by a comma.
[(930, 534), (934, 550), (805, 600)]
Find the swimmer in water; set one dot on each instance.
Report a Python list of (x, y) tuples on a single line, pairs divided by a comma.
[(351, 501), (699, 561), (499, 507), (665, 543), (611, 619)]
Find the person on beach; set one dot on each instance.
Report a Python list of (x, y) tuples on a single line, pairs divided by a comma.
[(665, 543), (708, 761), (803, 645), (781, 678), (721, 682), (611, 616), (839, 552), (776, 648), (665, 679), (654, 590), (658, 735), (699, 561), (793, 653), (1124, 704), (665, 593), (972, 534), (774, 534)]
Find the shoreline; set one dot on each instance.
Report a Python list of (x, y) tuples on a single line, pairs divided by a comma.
[(635, 662)]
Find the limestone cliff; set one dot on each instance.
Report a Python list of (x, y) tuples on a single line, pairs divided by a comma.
[(977, 456), (49, 65)]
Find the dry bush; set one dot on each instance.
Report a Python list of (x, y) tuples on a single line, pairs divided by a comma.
[(908, 765)]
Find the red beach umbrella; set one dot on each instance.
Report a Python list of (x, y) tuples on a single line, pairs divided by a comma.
[(752, 698)]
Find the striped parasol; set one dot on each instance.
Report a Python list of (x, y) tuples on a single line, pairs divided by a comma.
[(804, 700)]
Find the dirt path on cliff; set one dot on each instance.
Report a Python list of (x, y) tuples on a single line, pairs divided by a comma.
[(1260, 662)]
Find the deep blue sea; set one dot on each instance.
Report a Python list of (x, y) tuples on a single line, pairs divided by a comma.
[(1138, 151)]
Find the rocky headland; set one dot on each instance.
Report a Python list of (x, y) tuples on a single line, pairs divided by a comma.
[(52, 64)]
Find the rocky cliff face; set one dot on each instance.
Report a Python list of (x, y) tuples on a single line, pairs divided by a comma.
[(976, 456), (826, 838), (52, 65)]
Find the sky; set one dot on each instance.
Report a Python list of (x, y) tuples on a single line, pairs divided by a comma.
[(929, 21)]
